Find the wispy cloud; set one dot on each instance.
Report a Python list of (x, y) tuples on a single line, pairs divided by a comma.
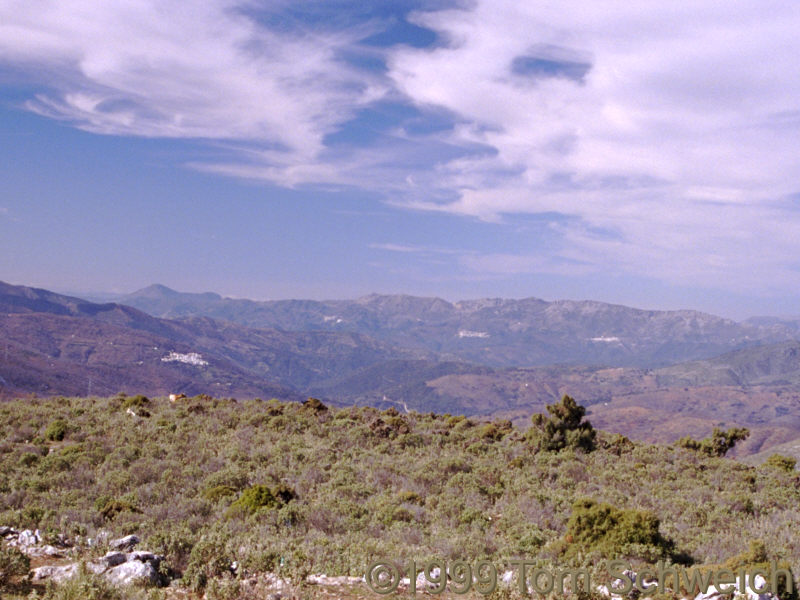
[(411, 249), (158, 69), (397, 248)]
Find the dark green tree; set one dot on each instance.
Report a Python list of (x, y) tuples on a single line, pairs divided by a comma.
[(565, 428), (718, 444)]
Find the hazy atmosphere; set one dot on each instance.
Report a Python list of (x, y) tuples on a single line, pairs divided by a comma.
[(642, 153)]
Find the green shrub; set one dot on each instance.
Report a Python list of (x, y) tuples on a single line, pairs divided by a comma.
[(278, 423), (454, 420), (209, 559), (223, 589), (757, 557), (495, 431), (218, 492), (399, 425), (397, 514), (718, 444), (259, 496), (618, 445), (73, 451), (598, 527), (274, 407), (166, 424), (283, 493), (109, 507), (314, 405), (28, 459), (260, 559), (411, 440), (410, 497), (255, 498), (56, 430), (32, 515), (463, 424), (135, 401), (782, 463)]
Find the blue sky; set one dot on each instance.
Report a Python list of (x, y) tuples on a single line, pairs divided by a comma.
[(644, 154)]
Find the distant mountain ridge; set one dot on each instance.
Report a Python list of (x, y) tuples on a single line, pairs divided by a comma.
[(492, 332)]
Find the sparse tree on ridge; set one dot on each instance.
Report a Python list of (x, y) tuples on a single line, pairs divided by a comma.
[(718, 444), (565, 428)]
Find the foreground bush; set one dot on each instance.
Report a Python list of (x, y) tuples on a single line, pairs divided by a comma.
[(610, 533), (757, 557), (56, 430)]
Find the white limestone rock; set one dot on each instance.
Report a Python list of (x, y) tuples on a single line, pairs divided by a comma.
[(46, 550), (133, 572), (28, 538), (54, 573)]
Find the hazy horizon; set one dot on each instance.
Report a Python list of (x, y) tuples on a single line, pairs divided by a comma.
[(105, 296)]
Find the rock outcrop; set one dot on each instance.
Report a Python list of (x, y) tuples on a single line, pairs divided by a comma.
[(30, 543), (121, 565)]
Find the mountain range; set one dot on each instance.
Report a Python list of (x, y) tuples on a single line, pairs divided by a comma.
[(493, 332), (652, 375)]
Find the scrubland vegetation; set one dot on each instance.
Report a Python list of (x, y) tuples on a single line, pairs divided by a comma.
[(297, 489)]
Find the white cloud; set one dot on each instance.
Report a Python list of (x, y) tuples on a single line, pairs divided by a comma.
[(679, 139)]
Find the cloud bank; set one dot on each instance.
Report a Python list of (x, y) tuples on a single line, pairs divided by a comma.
[(657, 139)]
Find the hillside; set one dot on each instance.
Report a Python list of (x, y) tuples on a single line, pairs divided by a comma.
[(56, 344), (790, 448), (635, 402), (338, 489), (777, 364)]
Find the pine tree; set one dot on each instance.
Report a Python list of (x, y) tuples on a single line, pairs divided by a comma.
[(565, 428)]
